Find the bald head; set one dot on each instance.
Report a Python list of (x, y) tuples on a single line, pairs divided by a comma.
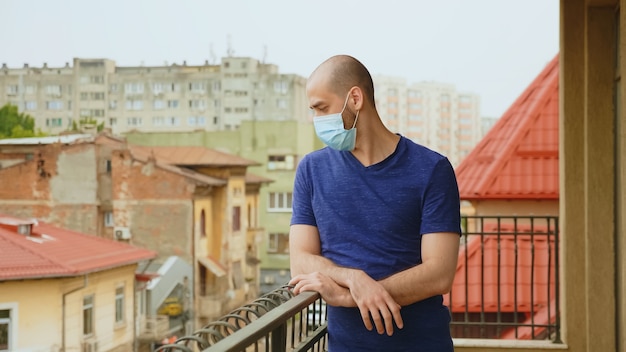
[(342, 72)]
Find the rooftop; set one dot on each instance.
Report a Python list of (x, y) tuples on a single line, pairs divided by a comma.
[(47, 251), (519, 156)]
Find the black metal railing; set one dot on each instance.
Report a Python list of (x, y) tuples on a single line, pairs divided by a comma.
[(506, 287), (507, 280), (276, 322)]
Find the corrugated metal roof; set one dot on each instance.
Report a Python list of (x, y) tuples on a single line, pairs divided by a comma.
[(56, 252), (192, 156), (65, 139), (518, 158)]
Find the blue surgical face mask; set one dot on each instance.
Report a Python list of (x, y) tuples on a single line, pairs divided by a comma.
[(329, 128)]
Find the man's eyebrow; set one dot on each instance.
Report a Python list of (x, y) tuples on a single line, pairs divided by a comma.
[(316, 104)]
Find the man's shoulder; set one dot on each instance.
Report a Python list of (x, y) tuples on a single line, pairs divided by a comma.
[(422, 152)]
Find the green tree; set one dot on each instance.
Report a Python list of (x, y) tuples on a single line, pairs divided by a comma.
[(14, 124)]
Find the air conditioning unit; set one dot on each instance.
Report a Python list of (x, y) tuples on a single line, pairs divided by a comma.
[(121, 233)]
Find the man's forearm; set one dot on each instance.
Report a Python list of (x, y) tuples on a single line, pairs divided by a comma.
[(307, 263)]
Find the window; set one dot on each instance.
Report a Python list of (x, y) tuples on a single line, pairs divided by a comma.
[(54, 122), (88, 315), (108, 215), (445, 98), (281, 162), (133, 88), (197, 87), (12, 89), (119, 305), (236, 218), (54, 105), (134, 105), (158, 121), (113, 104), (92, 79), (241, 110), (392, 92), (172, 121), (53, 90), (97, 95), (203, 224), (158, 88), (196, 121), (5, 330), (113, 121), (281, 87), (113, 88), (158, 104), (197, 104), (133, 121), (280, 201), (278, 243), (172, 104), (30, 105)]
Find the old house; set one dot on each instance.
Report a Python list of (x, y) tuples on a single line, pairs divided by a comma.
[(62, 290)]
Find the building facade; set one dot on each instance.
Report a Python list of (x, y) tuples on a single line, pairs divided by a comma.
[(276, 147), (158, 98), (433, 114)]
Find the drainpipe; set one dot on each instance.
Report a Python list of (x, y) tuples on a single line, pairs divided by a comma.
[(63, 309)]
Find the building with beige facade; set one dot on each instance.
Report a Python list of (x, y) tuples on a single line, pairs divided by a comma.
[(175, 97), (430, 113)]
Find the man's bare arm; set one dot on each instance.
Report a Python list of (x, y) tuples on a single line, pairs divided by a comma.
[(433, 277), (309, 270)]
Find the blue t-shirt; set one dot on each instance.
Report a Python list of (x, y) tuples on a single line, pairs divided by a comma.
[(373, 218)]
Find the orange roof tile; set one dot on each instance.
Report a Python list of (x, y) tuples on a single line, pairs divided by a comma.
[(56, 252), (192, 156), (518, 158)]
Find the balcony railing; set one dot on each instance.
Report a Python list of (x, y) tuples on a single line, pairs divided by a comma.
[(506, 287), (507, 279), (276, 322)]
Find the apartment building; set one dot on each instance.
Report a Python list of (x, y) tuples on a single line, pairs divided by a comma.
[(175, 97), (430, 113)]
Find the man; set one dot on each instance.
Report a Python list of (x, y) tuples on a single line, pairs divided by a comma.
[(376, 222)]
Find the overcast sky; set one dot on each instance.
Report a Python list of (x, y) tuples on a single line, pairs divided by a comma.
[(490, 47)]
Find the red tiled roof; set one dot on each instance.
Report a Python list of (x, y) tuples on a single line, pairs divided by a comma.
[(478, 260), (192, 156), (518, 158), (55, 252)]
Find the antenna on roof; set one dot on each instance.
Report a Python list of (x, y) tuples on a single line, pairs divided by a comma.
[(212, 58), (264, 56), (229, 48)]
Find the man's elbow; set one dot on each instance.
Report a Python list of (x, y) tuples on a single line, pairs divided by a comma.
[(444, 284)]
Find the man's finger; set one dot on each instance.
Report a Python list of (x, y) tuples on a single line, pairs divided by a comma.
[(387, 319), (365, 315), (378, 321), (397, 317)]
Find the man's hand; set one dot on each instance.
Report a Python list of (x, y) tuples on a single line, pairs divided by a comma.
[(375, 303), (331, 292)]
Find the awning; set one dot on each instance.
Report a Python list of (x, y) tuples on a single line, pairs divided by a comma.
[(213, 265), (145, 276)]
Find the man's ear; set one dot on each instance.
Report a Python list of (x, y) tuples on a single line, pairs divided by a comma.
[(356, 97)]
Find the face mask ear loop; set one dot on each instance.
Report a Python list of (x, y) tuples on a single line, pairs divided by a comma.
[(356, 118)]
